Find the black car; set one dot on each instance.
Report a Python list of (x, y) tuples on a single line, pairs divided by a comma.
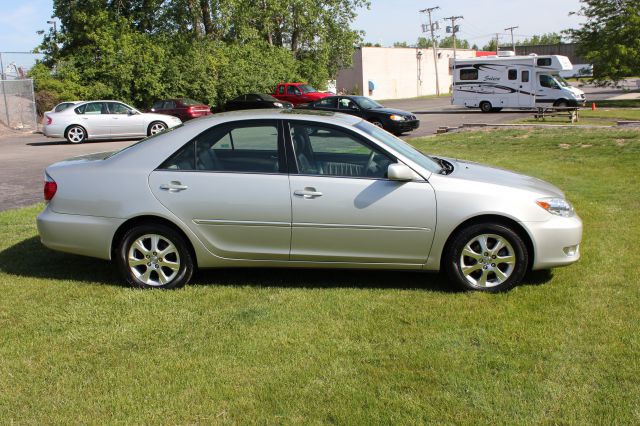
[(392, 120), (256, 101)]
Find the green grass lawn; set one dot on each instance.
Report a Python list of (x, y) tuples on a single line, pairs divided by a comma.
[(602, 117), (345, 347)]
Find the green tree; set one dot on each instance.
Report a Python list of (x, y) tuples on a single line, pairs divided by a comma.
[(424, 43), (491, 46), (400, 44), (610, 37), (549, 38), (447, 42)]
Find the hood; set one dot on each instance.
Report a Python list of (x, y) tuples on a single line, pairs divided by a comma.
[(163, 117), (317, 95), (496, 176), (391, 111)]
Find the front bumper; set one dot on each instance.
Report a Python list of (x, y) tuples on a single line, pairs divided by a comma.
[(403, 126), (77, 234), (556, 242)]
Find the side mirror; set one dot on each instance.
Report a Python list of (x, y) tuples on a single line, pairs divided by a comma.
[(400, 172)]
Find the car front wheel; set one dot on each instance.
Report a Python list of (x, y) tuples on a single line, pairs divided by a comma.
[(154, 256), (156, 127), (486, 257)]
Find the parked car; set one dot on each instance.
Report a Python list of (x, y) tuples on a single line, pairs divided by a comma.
[(308, 190), (298, 93), (183, 108), (256, 101), (104, 120), (395, 121)]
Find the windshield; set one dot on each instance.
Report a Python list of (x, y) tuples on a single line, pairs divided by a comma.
[(366, 103), (401, 146), (307, 88), (561, 81)]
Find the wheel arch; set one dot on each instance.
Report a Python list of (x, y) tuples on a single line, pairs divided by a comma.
[(148, 220), (501, 220)]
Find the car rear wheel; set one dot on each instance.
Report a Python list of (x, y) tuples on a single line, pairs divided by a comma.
[(154, 256), (485, 106), (76, 134), (156, 127), (486, 257)]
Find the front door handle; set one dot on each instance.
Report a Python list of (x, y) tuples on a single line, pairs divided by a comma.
[(307, 193), (173, 186)]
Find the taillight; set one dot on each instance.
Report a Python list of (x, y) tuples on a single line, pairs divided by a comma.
[(49, 120), (50, 187)]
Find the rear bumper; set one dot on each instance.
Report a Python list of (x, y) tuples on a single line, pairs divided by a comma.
[(77, 234), (556, 241), (53, 131)]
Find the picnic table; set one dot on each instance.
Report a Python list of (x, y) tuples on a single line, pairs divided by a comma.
[(572, 113)]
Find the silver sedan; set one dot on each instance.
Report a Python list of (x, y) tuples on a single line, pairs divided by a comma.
[(310, 190), (103, 120)]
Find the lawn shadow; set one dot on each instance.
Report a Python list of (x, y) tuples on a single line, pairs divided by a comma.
[(324, 278), (29, 258)]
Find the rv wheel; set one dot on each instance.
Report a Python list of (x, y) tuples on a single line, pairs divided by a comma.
[(485, 106)]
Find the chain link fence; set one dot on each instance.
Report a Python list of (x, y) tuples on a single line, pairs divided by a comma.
[(17, 105)]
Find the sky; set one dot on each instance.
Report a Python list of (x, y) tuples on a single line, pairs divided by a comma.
[(388, 21), (385, 22)]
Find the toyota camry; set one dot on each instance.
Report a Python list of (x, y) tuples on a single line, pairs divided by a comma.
[(303, 189)]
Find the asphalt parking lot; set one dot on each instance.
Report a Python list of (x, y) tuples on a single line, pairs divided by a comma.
[(25, 156)]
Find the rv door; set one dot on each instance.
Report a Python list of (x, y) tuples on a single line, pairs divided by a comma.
[(526, 93)]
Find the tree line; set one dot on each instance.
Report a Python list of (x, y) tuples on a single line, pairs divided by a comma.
[(211, 50)]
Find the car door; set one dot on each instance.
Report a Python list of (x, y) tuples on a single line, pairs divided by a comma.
[(125, 122), (344, 209), (525, 94), (547, 89), (230, 186), (94, 116), (326, 104)]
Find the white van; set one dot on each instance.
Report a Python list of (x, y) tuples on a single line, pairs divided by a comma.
[(495, 82)]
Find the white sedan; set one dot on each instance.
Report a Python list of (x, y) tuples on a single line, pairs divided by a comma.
[(104, 120)]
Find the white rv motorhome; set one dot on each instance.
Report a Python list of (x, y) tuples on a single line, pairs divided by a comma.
[(495, 82)]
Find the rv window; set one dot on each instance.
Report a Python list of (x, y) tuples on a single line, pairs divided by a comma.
[(469, 74), (544, 62), (513, 74), (525, 76)]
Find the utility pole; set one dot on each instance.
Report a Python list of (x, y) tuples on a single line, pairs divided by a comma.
[(513, 43), (435, 45), (454, 31), (497, 43)]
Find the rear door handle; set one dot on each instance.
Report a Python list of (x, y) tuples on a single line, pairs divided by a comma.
[(173, 186), (307, 193)]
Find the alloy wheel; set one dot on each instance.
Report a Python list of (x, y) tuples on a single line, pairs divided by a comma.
[(154, 260), (487, 260), (157, 128)]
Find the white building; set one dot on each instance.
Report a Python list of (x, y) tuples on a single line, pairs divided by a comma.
[(396, 73)]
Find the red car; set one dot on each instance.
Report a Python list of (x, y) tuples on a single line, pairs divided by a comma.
[(183, 108), (298, 93)]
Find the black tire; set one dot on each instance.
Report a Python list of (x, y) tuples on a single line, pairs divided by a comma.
[(377, 123), (561, 103), (75, 134), (498, 276), (153, 125), (156, 266), (485, 106)]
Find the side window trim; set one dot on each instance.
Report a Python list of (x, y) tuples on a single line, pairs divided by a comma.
[(281, 146), (293, 164)]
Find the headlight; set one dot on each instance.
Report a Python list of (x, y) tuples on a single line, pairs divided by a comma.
[(277, 104), (557, 206), (395, 117)]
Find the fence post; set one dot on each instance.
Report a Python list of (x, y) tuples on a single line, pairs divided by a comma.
[(35, 112), (4, 92)]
